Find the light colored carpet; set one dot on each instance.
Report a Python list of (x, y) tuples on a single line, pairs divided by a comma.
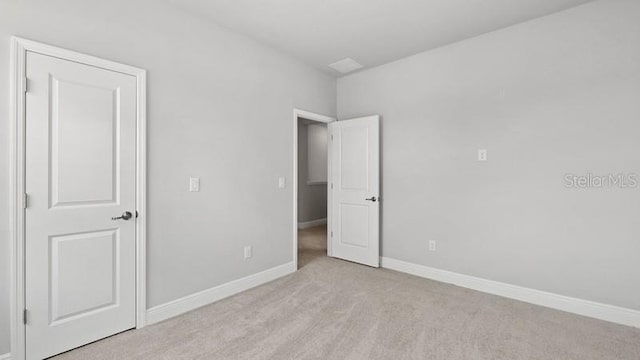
[(332, 309)]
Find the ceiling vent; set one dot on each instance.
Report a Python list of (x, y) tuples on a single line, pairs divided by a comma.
[(345, 66)]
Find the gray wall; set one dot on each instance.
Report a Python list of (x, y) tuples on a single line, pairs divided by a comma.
[(220, 108), (312, 199), (556, 95)]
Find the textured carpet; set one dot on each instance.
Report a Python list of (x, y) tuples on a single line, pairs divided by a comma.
[(332, 309)]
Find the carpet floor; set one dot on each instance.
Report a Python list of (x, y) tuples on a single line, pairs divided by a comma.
[(333, 309)]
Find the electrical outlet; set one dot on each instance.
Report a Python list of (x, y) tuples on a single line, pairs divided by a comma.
[(432, 245), (282, 182), (194, 184), (248, 252)]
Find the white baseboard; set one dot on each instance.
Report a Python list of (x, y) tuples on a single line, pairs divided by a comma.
[(6, 356), (205, 297), (312, 223), (592, 309)]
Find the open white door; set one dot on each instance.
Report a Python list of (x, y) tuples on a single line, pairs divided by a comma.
[(355, 190)]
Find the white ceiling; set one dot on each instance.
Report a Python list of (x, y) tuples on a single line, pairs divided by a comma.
[(372, 32)]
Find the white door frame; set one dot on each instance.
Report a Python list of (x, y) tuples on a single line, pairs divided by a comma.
[(320, 118), (18, 85)]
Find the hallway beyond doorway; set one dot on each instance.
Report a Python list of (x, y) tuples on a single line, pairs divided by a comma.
[(312, 244)]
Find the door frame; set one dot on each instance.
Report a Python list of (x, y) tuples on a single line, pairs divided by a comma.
[(297, 113), (18, 87)]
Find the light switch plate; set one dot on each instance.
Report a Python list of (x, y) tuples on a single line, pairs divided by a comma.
[(482, 154), (194, 184), (432, 245), (282, 182), (248, 252)]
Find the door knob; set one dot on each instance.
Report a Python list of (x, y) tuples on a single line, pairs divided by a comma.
[(373, 198), (125, 216)]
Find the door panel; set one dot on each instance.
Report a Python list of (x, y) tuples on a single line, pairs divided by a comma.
[(354, 225), (354, 149), (83, 261), (80, 172), (355, 190), (83, 117)]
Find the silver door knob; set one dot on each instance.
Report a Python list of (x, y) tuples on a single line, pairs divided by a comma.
[(125, 216), (373, 198)]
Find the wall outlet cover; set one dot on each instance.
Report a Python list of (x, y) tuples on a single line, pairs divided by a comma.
[(194, 184)]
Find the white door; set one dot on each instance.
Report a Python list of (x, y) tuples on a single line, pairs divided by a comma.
[(355, 192), (80, 172)]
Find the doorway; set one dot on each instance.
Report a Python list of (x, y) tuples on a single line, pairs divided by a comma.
[(351, 188), (311, 171), (312, 190)]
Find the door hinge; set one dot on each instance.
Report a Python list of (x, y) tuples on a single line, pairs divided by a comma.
[(331, 137), (24, 316), (26, 84), (26, 200), (332, 234), (332, 185)]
